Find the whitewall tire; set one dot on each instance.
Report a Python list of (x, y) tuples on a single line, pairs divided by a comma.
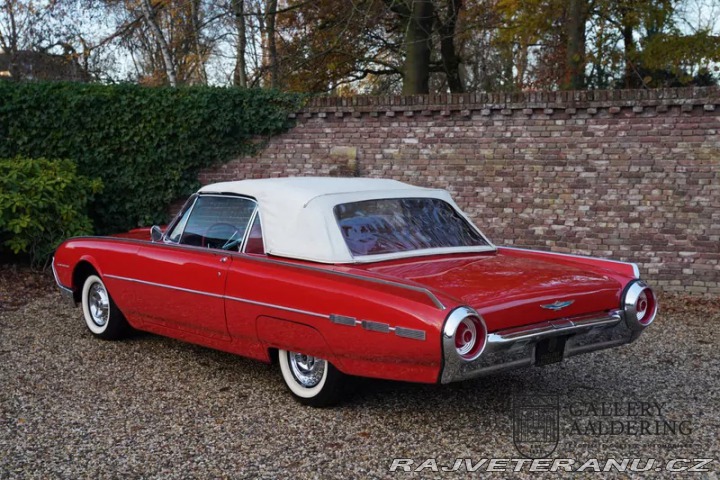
[(311, 380), (102, 316)]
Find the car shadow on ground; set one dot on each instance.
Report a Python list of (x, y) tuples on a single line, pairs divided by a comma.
[(493, 392)]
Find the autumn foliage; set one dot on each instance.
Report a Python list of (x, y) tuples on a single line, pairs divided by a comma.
[(347, 47)]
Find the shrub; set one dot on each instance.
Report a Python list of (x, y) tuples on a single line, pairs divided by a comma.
[(42, 202), (146, 144)]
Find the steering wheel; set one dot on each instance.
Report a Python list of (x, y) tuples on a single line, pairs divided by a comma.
[(228, 227)]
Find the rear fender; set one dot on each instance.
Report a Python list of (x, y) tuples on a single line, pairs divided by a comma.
[(276, 333), (625, 270)]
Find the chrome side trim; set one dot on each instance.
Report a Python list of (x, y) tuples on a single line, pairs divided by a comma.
[(337, 319), (215, 295), (379, 327), (410, 333), (431, 296), (55, 276), (380, 281), (420, 253), (375, 326), (65, 292), (343, 320), (161, 285), (279, 307)]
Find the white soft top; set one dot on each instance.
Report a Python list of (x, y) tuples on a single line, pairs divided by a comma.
[(298, 220)]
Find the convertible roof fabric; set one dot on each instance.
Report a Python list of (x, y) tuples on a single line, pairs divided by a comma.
[(298, 219)]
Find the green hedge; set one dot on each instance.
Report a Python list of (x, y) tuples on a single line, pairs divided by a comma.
[(146, 144), (42, 202)]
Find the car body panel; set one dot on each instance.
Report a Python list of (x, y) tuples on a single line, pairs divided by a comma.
[(154, 299), (183, 292)]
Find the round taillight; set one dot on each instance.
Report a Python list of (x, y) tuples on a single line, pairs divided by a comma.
[(645, 307), (464, 336), (640, 305), (470, 338)]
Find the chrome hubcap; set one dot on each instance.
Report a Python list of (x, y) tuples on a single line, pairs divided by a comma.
[(99, 304), (307, 370)]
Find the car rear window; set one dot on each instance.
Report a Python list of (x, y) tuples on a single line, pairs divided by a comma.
[(392, 225)]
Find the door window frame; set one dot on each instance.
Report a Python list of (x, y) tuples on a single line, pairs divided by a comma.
[(253, 218), (190, 206)]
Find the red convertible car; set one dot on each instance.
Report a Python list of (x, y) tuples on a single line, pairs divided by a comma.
[(347, 276)]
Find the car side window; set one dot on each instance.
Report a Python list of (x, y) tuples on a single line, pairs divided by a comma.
[(216, 221)]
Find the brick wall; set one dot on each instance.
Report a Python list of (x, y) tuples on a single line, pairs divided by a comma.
[(630, 175)]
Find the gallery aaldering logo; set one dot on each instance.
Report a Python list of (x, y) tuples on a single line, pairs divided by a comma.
[(536, 424)]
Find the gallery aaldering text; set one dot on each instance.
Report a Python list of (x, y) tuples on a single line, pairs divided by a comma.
[(624, 418)]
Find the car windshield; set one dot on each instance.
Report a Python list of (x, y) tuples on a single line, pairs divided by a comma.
[(392, 225)]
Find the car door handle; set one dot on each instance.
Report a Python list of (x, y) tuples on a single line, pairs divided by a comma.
[(224, 259)]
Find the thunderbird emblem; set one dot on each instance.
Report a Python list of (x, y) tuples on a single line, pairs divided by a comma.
[(558, 305)]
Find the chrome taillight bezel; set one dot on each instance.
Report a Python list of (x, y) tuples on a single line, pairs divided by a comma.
[(634, 294), (457, 318)]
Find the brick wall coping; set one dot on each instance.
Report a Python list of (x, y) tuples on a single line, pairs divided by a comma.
[(570, 101)]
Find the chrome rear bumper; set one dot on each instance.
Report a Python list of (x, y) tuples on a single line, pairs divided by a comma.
[(515, 347)]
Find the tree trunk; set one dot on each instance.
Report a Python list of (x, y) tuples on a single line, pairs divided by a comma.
[(240, 72), (521, 64), (197, 44), (574, 78), (629, 43), (631, 77), (416, 69), (10, 44), (13, 30), (270, 59), (450, 59), (160, 38)]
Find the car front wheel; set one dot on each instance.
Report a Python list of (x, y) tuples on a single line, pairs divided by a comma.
[(312, 381), (102, 316)]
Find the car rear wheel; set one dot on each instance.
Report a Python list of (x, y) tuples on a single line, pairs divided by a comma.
[(102, 316), (312, 381)]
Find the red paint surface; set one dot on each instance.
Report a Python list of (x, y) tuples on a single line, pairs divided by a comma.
[(233, 304)]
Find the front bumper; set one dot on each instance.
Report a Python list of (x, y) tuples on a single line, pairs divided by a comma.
[(65, 292), (515, 347)]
